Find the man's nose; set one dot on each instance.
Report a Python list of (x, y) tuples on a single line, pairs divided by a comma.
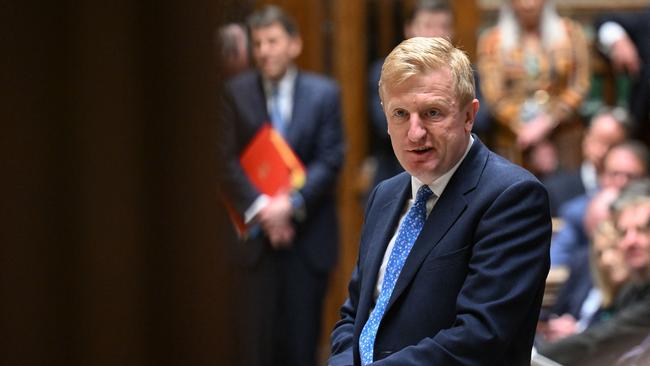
[(262, 48), (416, 130), (628, 239)]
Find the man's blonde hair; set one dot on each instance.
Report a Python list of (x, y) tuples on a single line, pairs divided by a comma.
[(421, 55)]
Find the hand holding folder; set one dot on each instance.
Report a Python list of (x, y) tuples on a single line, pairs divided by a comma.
[(271, 166)]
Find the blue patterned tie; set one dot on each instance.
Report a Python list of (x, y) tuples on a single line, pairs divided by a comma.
[(408, 232), (276, 114)]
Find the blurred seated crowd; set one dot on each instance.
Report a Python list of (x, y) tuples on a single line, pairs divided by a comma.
[(535, 69), (534, 73)]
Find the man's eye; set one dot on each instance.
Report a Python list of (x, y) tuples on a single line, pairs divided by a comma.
[(432, 113), (399, 113)]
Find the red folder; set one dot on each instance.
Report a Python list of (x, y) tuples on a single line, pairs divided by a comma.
[(271, 166)]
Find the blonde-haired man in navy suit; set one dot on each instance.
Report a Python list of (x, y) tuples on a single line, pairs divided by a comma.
[(454, 252)]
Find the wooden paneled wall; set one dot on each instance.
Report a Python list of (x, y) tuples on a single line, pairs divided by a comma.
[(113, 244)]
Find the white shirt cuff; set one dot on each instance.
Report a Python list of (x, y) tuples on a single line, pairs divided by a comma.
[(608, 34), (252, 211)]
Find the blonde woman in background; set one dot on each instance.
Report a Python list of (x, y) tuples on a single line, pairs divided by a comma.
[(608, 266), (588, 295)]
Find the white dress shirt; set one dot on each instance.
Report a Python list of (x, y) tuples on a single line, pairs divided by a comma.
[(589, 177)]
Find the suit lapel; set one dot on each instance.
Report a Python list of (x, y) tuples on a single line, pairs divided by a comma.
[(449, 207), (300, 106), (258, 100), (385, 225)]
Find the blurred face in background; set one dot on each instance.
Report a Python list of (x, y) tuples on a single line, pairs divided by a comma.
[(621, 167), (430, 24), (528, 12), (235, 57), (609, 257), (603, 133), (633, 225), (543, 158), (274, 50)]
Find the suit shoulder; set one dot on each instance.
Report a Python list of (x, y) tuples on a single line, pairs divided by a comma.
[(318, 80), (503, 170), (392, 186), (242, 81), (574, 207)]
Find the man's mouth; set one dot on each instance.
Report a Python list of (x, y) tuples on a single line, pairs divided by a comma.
[(420, 150)]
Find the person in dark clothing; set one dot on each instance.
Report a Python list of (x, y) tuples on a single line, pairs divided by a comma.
[(625, 40)]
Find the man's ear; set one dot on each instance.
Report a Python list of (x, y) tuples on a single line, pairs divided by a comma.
[(295, 47), (470, 116)]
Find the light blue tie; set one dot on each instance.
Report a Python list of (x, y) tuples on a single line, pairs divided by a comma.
[(408, 232), (276, 113)]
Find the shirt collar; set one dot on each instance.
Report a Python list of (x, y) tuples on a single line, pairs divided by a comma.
[(589, 177), (439, 185), (285, 84)]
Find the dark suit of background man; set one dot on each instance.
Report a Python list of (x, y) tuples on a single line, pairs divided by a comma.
[(625, 38), (470, 289), (285, 264)]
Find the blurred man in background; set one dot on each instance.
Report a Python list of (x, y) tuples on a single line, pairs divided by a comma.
[(293, 234)]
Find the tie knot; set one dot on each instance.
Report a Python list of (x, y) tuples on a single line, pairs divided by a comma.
[(423, 194)]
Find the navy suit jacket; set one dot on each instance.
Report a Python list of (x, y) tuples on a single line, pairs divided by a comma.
[(471, 289), (315, 134)]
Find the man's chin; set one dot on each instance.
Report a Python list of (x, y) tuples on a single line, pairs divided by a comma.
[(269, 74), (423, 175), (272, 73)]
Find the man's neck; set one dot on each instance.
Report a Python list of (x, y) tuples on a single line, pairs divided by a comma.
[(288, 73)]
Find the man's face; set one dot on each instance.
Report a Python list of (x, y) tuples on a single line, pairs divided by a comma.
[(274, 50), (633, 225), (621, 167), (430, 24), (604, 133), (428, 128)]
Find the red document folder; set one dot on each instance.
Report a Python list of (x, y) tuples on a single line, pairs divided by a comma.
[(271, 166)]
